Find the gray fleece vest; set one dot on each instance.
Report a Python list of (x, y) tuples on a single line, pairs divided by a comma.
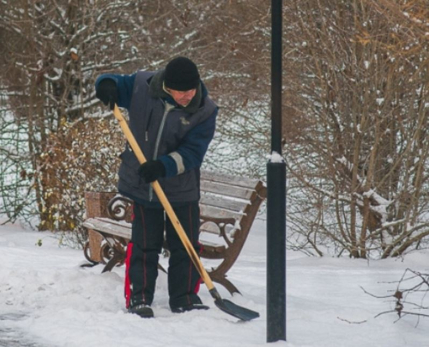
[(158, 134)]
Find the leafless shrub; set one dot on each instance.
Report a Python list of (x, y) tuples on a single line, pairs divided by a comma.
[(410, 298), (358, 162)]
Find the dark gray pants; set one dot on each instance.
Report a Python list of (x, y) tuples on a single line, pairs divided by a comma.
[(143, 254)]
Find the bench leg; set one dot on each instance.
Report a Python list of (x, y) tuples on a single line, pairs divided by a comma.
[(87, 254), (117, 258), (226, 283)]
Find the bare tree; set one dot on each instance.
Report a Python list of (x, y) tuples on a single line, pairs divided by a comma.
[(360, 95), (51, 55)]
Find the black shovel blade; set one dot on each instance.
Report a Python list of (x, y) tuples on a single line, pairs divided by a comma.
[(234, 310)]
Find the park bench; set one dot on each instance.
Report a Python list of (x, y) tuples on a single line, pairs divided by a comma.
[(228, 207)]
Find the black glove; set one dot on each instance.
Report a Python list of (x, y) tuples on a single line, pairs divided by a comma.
[(152, 170), (107, 92)]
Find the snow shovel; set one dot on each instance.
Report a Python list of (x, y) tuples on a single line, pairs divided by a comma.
[(225, 305)]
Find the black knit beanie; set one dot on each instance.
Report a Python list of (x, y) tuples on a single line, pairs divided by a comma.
[(181, 74)]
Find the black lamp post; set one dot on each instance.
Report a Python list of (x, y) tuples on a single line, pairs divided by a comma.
[(276, 197)]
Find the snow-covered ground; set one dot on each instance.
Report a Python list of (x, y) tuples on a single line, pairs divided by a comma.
[(48, 300)]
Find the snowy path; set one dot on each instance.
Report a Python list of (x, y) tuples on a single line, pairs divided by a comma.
[(48, 300), (10, 337)]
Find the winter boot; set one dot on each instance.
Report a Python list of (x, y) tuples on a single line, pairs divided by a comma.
[(142, 310), (189, 307)]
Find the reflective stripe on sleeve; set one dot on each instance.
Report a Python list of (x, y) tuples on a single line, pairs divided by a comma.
[(179, 162)]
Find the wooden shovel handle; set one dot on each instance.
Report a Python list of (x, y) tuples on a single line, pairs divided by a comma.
[(164, 201)]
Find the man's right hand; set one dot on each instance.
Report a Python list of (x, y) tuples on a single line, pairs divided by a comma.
[(107, 92)]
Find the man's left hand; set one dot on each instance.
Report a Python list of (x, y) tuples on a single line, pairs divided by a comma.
[(152, 170)]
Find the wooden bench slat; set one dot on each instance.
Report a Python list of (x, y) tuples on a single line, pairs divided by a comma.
[(214, 247), (236, 181), (221, 189), (228, 204), (212, 228), (109, 226), (211, 211)]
